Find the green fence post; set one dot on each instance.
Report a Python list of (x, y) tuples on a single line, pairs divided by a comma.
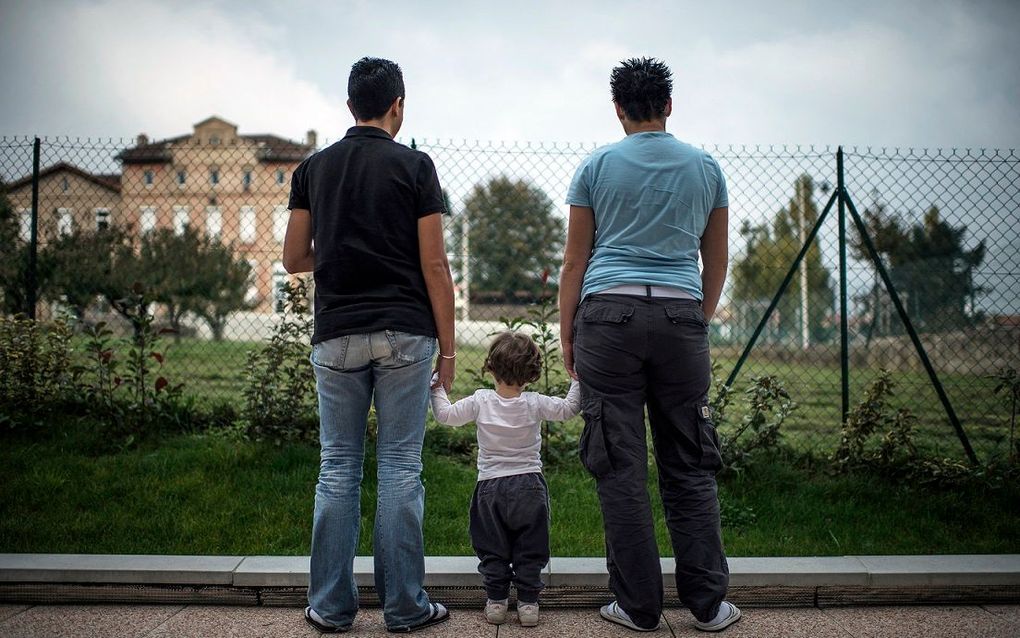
[(844, 331), (33, 248)]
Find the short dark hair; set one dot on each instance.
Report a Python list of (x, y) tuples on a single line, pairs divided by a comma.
[(372, 86), (642, 86), (514, 359)]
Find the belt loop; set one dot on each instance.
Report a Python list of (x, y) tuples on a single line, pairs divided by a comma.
[(648, 291)]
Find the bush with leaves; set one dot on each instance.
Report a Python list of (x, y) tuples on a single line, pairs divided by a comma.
[(768, 406), (870, 417), (1008, 387), (37, 373), (280, 383)]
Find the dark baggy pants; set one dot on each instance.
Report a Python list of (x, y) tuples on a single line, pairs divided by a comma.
[(509, 526), (630, 351)]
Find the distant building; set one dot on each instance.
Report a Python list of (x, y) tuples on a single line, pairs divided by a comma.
[(230, 186), (69, 198)]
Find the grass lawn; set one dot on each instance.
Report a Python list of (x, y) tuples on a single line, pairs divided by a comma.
[(64, 491)]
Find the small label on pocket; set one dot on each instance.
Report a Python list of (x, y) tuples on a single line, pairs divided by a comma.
[(705, 412)]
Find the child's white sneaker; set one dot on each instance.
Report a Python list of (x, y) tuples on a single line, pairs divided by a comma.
[(495, 611), (527, 613)]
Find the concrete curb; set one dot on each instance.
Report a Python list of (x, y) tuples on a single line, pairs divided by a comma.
[(460, 571)]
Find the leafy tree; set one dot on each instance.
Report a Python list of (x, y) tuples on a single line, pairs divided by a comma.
[(931, 270), (14, 262), (188, 272), (514, 236), (81, 264), (771, 249)]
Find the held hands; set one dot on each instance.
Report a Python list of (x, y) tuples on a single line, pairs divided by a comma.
[(444, 373)]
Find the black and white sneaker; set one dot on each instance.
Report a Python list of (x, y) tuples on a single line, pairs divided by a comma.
[(728, 614), (315, 620), (613, 613), (439, 614)]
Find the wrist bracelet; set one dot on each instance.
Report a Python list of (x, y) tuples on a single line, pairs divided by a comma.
[(448, 356)]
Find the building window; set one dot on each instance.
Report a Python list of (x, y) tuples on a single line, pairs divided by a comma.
[(246, 179), (280, 217), (65, 185), (281, 176), (247, 224), (213, 222), (102, 218), (25, 224), (279, 282), (147, 178), (181, 219), (147, 218), (252, 295), (182, 177), (214, 176), (65, 221), (214, 140)]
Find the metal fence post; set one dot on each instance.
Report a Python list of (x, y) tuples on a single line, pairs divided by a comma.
[(844, 332), (31, 284)]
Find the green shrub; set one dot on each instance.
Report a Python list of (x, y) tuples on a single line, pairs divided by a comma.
[(768, 406), (37, 373), (280, 399)]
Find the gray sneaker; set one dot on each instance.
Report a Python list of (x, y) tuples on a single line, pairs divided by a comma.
[(728, 614), (527, 613), (495, 611)]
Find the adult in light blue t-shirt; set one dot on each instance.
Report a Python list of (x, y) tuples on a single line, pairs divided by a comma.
[(634, 312)]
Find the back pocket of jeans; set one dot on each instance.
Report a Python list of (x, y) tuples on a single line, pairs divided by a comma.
[(593, 447), (331, 354), (686, 314)]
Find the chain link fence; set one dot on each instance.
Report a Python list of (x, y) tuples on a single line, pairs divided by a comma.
[(204, 216)]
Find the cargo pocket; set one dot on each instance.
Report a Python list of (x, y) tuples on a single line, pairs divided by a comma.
[(711, 457), (593, 448)]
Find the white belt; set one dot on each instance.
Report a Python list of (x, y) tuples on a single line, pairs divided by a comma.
[(648, 291)]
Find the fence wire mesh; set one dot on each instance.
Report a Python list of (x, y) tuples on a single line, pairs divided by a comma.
[(205, 214)]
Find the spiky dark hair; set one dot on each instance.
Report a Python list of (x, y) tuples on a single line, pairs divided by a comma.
[(372, 86), (642, 86)]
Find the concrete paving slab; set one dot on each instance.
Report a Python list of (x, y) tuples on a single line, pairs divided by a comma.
[(117, 568), (798, 571), (556, 623), (201, 621), (921, 622), (789, 623), (282, 571), (463, 623), (970, 569), (1010, 613), (6, 611), (579, 571), (100, 621)]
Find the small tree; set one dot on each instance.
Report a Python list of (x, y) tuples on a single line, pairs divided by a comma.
[(514, 233), (81, 264)]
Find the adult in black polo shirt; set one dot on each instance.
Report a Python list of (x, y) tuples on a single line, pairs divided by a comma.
[(383, 295)]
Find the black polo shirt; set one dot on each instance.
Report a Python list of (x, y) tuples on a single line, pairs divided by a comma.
[(366, 194)]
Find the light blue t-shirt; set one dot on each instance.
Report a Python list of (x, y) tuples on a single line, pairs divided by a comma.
[(652, 195)]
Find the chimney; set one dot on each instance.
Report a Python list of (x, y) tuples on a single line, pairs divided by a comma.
[(142, 140), (311, 139)]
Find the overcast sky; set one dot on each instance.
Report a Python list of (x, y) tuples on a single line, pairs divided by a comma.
[(910, 73)]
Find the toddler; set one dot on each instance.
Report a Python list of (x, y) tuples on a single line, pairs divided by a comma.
[(509, 519)]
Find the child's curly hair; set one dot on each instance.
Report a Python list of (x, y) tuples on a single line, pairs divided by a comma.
[(514, 359)]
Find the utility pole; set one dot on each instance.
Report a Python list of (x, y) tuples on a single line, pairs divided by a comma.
[(803, 199)]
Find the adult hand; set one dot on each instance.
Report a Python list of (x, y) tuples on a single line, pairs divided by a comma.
[(568, 357), (444, 373)]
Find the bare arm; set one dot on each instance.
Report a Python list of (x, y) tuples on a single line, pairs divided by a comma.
[(580, 239), (714, 258), (298, 255), (436, 270)]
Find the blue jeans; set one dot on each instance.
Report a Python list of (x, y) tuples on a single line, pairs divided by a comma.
[(395, 367)]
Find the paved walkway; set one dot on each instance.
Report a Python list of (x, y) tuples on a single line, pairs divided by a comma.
[(201, 621)]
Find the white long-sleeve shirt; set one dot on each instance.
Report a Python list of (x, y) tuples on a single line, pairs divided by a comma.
[(509, 430)]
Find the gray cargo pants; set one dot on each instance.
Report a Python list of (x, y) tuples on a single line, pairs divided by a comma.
[(631, 351)]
